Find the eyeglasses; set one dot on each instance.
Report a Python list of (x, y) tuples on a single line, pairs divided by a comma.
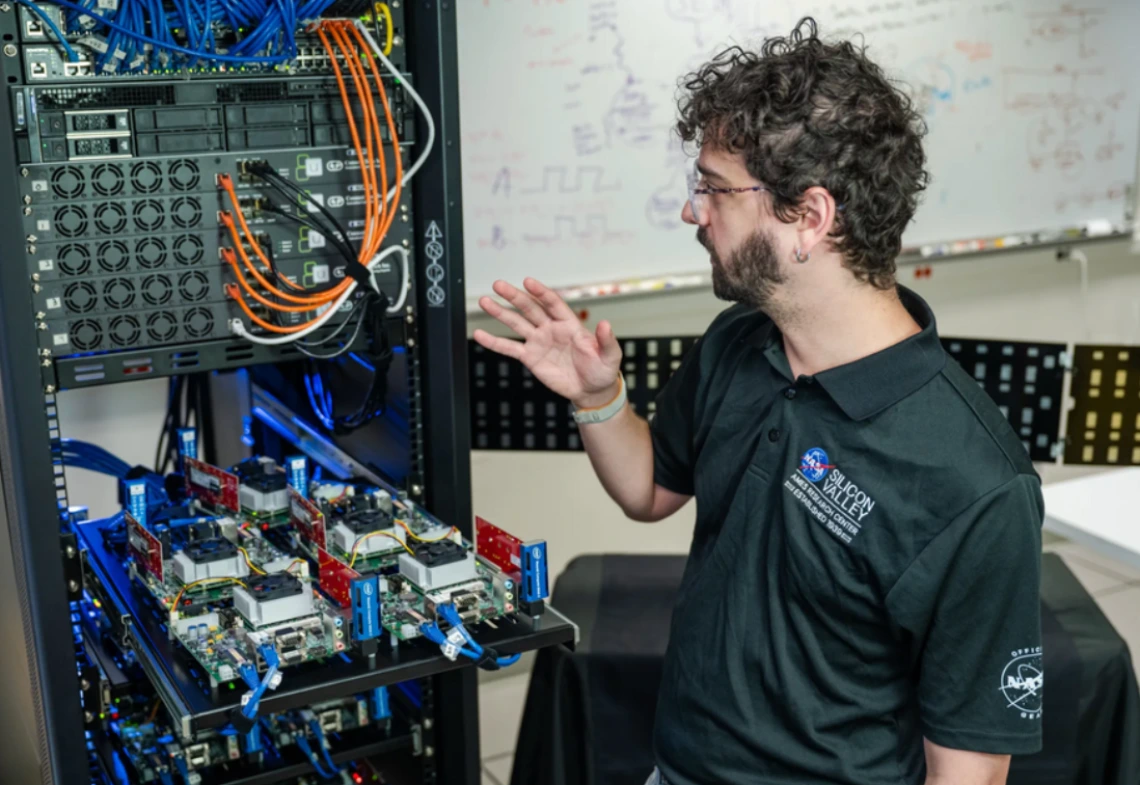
[(698, 197)]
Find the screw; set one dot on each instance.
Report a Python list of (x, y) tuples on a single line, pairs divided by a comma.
[(396, 41), (404, 218), (49, 390), (88, 717), (10, 50), (45, 363), (411, 343), (84, 685), (27, 211), (31, 249), (70, 551), (409, 318), (45, 352), (407, 243), (35, 276), (40, 315), (41, 325), (24, 173), (396, 4), (73, 586), (32, 238), (429, 752), (428, 723), (37, 288), (417, 490), (27, 200), (5, 7)]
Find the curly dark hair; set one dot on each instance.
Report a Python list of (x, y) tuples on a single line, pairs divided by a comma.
[(804, 112)]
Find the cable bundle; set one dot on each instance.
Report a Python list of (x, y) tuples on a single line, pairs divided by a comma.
[(344, 42), (484, 656), (163, 34), (92, 457)]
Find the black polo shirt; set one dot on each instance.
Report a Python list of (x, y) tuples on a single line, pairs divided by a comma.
[(864, 570)]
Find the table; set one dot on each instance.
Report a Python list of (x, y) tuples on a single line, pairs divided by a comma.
[(588, 718), (1100, 512)]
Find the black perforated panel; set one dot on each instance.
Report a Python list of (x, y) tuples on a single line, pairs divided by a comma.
[(511, 410), (1104, 423), (1025, 380)]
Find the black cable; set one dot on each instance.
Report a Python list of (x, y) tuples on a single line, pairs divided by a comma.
[(343, 248), (270, 176)]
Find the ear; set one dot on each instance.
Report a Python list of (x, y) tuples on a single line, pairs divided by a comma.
[(817, 218)]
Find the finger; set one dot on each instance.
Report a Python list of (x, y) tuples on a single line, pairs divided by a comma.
[(523, 302), (503, 346), (554, 305), (508, 317), (608, 343)]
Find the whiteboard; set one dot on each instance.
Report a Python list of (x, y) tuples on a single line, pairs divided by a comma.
[(572, 171)]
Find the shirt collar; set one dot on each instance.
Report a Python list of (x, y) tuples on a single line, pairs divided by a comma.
[(869, 385)]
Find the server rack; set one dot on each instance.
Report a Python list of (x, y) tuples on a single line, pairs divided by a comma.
[(44, 567)]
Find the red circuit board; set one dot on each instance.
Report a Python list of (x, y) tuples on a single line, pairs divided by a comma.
[(497, 547), (336, 577), (212, 485), (145, 548), (307, 519)]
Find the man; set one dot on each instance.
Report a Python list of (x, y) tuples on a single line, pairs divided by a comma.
[(860, 603)]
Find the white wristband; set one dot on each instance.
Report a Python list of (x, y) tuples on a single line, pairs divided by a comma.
[(603, 413)]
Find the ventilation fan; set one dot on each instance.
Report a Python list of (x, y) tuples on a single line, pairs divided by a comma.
[(161, 326), (80, 297), (198, 322), (157, 289), (194, 286), (149, 215), (151, 252), (119, 293), (73, 259), (184, 175), (71, 221), (146, 177), (67, 182), (113, 256), (188, 249), (107, 180), (187, 212), (124, 330), (111, 218), (85, 334)]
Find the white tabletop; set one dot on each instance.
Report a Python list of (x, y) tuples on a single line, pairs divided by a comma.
[(1101, 512)]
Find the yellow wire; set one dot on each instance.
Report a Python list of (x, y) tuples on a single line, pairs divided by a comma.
[(422, 539), (177, 597), (361, 539), (254, 568), (387, 14)]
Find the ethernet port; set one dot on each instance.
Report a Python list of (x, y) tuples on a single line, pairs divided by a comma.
[(38, 70), (33, 28), (82, 68)]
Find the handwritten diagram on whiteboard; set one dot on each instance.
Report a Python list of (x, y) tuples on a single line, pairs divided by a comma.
[(572, 171)]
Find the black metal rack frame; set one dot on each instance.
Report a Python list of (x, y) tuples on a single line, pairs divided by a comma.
[(40, 570)]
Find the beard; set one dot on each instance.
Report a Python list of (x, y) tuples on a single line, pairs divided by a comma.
[(752, 272)]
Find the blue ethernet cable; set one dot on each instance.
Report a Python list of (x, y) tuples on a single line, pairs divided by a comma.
[(319, 732), (306, 748), (452, 618), (197, 55)]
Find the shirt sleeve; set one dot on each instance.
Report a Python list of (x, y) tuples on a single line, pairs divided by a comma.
[(673, 425), (971, 603)]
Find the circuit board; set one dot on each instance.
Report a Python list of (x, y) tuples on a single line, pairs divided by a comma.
[(314, 638), (404, 611)]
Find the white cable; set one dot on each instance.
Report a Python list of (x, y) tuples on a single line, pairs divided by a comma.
[(403, 80), (238, 328)]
